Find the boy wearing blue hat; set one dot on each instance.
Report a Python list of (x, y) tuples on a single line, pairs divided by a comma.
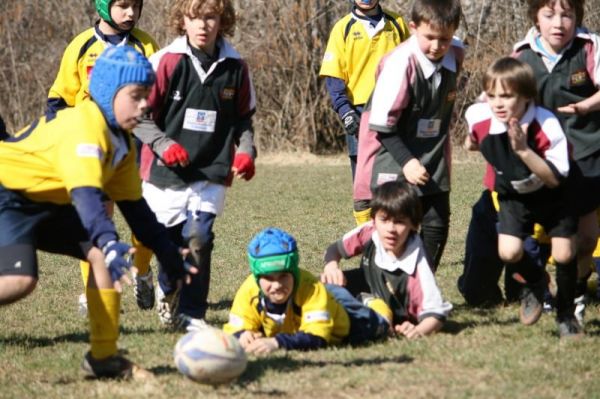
[(282, 306), (55, 174), (116, 27)]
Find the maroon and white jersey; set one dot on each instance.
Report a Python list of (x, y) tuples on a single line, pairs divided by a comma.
[(544, 136), (406, 283)]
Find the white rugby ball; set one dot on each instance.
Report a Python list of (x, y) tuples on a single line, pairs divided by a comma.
[(210, 356)]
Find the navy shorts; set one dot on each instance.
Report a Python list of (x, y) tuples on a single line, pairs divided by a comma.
[(28, 226), (548, 208)]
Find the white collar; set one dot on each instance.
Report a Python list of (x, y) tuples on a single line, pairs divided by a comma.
[(226, 50), (427, 66), (497, 127), (533, 34), (407, 262)]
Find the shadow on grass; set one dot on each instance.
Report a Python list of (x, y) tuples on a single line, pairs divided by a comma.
[(258, 367), (223, 304), (468, 316), (30, 342)]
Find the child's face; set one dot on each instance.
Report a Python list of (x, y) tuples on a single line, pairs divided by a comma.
[(202, 29), (125, 13), (433, 41), (557, 24), (505, 103), (392, 232), (366, 5), (277, 287), (129, 105)]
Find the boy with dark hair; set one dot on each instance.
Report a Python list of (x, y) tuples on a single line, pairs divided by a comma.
[(282, 306), (55, 174), (394, 266), (356, 44), (404, 130)]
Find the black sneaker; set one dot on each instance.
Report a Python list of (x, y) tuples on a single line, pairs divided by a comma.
[(531, 304), (115, 366), (569, 327)]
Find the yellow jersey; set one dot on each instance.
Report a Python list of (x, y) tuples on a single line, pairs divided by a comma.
[(49, 158), (73, 78), (355, 48), (312, 310)]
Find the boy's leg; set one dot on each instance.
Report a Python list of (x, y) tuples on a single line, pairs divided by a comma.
[(103, 360), (362, 212), (566, 277), (352, 143), (198, 234), (434, 229), (143, 287), (167, 296), (482, 266), (366, 323)]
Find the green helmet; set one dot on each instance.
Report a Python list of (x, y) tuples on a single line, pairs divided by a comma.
[(273, 251), (103, 8)]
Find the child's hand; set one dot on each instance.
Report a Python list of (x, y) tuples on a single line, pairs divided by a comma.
[(517, 134), (247, 337), (415, 173), (409, 330), (332, 274), (243, 166), (174, 155), (579, 108), (262, 346)]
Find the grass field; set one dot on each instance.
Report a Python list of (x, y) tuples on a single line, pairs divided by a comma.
[(480, 353)]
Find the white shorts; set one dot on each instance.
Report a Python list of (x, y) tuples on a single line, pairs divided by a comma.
[(171, 206)]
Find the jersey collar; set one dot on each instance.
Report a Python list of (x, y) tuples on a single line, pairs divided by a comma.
[(407, 262), (428, 67)]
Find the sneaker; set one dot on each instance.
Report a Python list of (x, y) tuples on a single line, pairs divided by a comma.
[(580, 308), (166, 305), (115, 366), (82, 308), (531, 304), (569, 327), (143, 288), (188, 323)]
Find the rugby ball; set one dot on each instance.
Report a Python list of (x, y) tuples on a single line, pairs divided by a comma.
[(210, 356)]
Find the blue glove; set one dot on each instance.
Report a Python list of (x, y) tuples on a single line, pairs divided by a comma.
[(116, 256)]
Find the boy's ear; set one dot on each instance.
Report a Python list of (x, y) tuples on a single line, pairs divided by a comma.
[(412, 27)]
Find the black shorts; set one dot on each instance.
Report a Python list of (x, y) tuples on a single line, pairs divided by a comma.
[(584, 184), (519, 213), (28, 226)]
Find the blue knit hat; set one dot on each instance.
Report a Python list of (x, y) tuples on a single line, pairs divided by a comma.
[(272, 251), (117, 67)]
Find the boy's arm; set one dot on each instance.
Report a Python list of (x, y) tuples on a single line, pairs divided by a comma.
[(243, 162), (332, 273), (538, 166), (414, 172), (341, 104), (583, 107), (427, 326)]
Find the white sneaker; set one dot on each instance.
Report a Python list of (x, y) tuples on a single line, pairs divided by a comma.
[(82, 307), (166, 306), (143, 288), (580, 309)]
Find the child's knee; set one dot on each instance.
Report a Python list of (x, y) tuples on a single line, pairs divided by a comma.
[(510, 254)]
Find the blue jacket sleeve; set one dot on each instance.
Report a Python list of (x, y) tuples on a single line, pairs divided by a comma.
[(337, 92), (300, 341), (92, 212), (153, 235)]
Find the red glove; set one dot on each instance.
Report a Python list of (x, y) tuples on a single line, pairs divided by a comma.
[(175, 154), (243, 166)]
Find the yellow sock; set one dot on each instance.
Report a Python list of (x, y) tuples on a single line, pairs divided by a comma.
[(85, 272), (142, 256), (103, 311), (381, 308), (362, 217)]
